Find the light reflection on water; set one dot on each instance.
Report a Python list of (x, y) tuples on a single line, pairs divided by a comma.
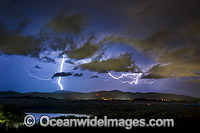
[(52, 115)]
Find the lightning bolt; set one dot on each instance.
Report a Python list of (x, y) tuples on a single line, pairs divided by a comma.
[(133, 76), (61, 69), (59, 79)]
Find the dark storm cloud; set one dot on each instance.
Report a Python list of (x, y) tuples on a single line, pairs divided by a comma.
[(192, 32), (95, 76), (147, 10), (172, 39), (47, 59), (15, 18), (62, 34), (180, 60), (62, 74), (154, 15), (78, 75), (122, 63), (87, 50), (13, 41), (179, 63), (14, 44), (155, 72), (53, 36), (193, 81), (75, 68), (37, 67), (168, 33), (177, 60), (70, 62), (65, 22), (157, 42)]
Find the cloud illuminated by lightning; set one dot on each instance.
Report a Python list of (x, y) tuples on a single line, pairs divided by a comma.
[(134, 76)]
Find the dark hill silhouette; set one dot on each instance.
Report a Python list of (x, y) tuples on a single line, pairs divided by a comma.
[(62, 91), (114, 94)]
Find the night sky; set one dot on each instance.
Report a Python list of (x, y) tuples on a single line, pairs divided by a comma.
[(158, 38)]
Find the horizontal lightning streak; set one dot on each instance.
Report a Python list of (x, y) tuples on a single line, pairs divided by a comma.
[(133, 76), (36, 76)]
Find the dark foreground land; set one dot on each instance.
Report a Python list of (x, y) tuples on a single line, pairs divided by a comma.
[(185, 114)]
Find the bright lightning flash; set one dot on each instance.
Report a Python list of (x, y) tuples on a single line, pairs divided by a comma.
[(59, 79), (133, 76), (61, 69)]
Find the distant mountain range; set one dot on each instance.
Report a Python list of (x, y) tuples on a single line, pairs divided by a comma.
[(106, 95), (63, 91)]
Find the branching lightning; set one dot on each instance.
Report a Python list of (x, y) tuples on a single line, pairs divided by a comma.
[(59, 78), (133, 76)]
